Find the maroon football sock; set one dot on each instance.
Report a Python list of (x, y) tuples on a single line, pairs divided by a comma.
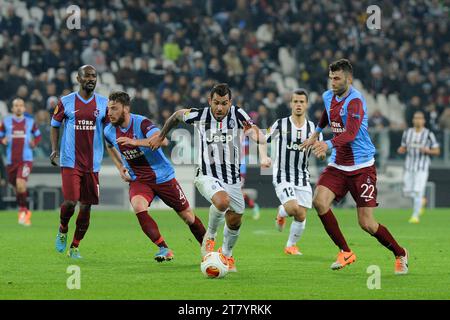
[(150, 228), (82, 225), (66, 212), (332, 227), (250, 202), (386, 239), (197, 229), (21, 198)]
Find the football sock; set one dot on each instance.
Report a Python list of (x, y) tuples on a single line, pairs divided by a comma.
[(215, 217), (386, 239), (66, 213), (332, 227), (295, 232), (82, 225), (229, 240), (197, 229), (21, 198), (417, 200), (250, 202), (150, 228), (282, 211)]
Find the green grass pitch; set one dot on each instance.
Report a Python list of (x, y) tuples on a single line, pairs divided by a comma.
[(118, 260)]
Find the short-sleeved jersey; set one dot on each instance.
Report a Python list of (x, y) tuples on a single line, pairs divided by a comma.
[(82, 142), (19, 132), (142, 163), (360, 152), (414, 141), (291, 163), (219, 142)]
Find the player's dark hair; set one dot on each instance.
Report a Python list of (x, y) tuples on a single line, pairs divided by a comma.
[(120, 96), (341, 64), (221, 89), (300, 92)]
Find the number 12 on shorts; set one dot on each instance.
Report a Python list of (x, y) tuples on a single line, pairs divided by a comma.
[(289, 191)]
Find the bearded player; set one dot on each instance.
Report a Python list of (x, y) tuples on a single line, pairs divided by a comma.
[(351, 168), (148, 172)]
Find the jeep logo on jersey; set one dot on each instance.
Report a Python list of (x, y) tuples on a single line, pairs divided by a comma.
[(219, 137), (293, 146)]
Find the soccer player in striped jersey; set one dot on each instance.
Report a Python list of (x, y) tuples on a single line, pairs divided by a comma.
[(219, 130), (419, 143), (148, 172), (83, 115), (351, 168), (290, 169), (20, 135)]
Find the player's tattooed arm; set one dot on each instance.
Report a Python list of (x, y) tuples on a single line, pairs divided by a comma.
[(156, 141), (54, 137), (125, 141)]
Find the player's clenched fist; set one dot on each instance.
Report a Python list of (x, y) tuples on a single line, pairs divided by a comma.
[(266, 162), (53, 156), (319, 148)]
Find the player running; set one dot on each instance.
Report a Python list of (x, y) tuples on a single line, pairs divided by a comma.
[(418, 143), (20, 135), (84, 115), (219, 128), (148, 172), (290, 170), (351, 168)]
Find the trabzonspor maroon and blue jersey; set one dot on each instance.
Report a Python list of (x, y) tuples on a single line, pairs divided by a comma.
[(142, 163), (351, 146), (82, 141), (19, 132)]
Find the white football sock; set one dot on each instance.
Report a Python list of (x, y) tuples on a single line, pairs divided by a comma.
[(282, 211), (295, 232), (417, 200), (229, 240), (215, 218)]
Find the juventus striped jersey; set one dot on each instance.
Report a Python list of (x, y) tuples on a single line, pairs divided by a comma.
[(413, 141), (219, 142), (291, 164)]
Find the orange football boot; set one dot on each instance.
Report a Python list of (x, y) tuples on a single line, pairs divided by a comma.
[(343, 259)]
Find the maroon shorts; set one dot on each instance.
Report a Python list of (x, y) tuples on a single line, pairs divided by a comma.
[(80, 186), (170, 192), (361, 183), (20, 170)]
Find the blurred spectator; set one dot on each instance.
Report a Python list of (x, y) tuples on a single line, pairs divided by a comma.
[(94, 56), (411, 108), (444, 121), (126, 76), (42, 119), (140, 106), (378, 121)]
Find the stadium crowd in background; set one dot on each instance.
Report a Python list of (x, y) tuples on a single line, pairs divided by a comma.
[(171, 52)]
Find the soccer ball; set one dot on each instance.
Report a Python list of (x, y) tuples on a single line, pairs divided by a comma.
[(214, 265)]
